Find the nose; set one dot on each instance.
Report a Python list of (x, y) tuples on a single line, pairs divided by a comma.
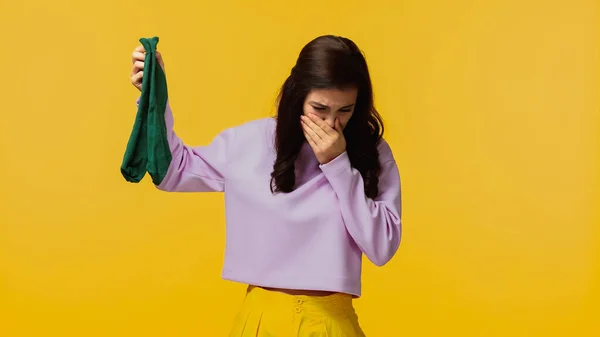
[(330, 120)]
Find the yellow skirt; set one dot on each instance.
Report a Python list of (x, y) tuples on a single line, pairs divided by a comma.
[(267, 313)]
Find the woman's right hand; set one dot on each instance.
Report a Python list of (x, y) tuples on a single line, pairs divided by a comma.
[(137, 72)]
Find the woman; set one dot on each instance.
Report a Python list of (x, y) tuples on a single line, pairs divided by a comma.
[(306, 193)]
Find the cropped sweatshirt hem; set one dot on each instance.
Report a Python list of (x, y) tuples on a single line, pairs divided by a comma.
[(309, 282)]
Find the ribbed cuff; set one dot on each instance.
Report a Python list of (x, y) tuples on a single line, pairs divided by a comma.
[(338, 164)]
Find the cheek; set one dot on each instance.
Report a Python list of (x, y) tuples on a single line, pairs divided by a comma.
[(306, 109), (344, 119)]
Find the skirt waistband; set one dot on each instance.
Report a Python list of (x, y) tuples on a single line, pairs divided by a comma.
[(337, 303)]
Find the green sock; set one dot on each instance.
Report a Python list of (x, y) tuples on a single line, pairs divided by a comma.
[(148, 146)]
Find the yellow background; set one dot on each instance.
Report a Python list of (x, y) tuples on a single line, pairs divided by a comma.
[(491, 109)]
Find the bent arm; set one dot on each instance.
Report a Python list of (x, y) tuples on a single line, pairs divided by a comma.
[(374, 224)]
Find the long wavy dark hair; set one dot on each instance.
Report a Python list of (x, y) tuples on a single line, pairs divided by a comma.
[(328, 62)]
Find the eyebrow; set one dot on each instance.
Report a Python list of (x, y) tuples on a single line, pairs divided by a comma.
[(325, 106)]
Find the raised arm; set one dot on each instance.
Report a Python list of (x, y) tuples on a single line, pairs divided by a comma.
[(191, 169)]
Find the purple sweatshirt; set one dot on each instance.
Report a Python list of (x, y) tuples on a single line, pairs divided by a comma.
[(312, 238)]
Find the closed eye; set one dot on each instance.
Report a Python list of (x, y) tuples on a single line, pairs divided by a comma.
[(319, 108)]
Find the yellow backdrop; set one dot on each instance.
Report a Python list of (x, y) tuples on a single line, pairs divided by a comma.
[(491, 110)]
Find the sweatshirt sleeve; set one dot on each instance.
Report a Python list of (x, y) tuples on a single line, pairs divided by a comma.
[(374, 224), (196, 169)]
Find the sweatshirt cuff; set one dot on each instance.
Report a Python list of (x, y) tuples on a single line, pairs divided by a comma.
[(336, 165)]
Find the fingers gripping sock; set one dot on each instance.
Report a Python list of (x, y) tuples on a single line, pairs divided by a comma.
[(148, 146)]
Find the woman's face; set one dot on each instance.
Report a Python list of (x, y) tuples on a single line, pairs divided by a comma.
[(331, 104)]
